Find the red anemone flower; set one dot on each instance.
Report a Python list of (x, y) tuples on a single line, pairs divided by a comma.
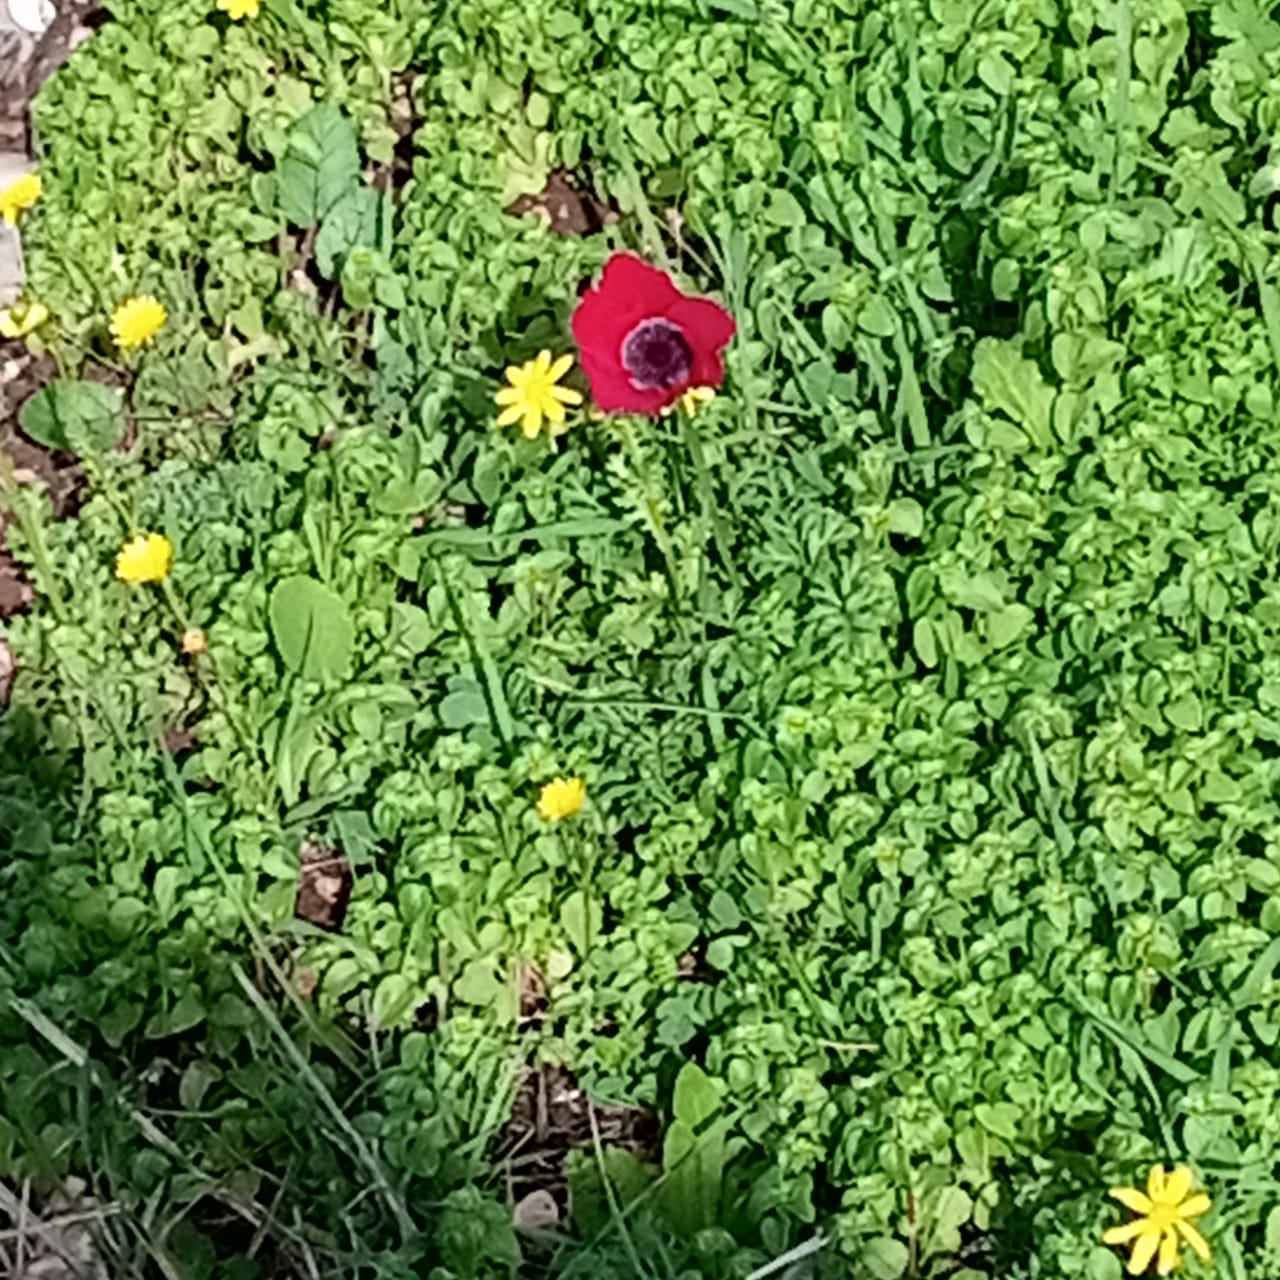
[(643, 342)]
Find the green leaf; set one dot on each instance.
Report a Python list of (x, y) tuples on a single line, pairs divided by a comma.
[(392, 999), (312, 628), (321, 163), (464, 705), (697, 1096), (885, 1258), (589, 1203), (785, 211), (1001, 1119), (1008, 382), (693, 1165), (1004, 626), (478, 984), (1273, 1233), (581, 919), (84, 417), (353, 220), (906, 516)]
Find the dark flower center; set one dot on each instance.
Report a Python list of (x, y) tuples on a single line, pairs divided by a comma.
[(656, 355)]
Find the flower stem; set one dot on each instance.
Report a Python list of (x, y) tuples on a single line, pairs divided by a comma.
[(653, 509)]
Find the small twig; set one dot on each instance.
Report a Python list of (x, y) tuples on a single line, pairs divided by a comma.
[(15, 1208), (60, 1220)]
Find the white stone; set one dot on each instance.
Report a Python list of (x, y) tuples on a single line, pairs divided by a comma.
[(35, 17), (13, 274)]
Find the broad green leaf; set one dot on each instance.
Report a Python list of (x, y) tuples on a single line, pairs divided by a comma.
[(885, 1258), (1000, 1118), (697, 1096), (693, 1166), (479, 984), (355, 219), (392, 999), (312, 628), (83, 417), (582, 919), (321, 163)]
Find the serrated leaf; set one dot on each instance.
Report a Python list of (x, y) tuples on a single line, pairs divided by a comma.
[(1010, 383)]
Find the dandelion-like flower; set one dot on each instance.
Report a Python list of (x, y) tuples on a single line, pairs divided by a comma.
[(534, 395), (561, 798), (136, 321), (1164, 1209), (18, 197), (19, 320), (146, 558), (237, 9)]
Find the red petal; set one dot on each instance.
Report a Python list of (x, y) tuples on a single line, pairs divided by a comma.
[(629, 291), (708, 328), (612, 390)]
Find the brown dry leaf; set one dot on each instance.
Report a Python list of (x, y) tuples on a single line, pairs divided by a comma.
[(566, 210), (177, 740), (532, 988), (552, 1116), (324, 887)]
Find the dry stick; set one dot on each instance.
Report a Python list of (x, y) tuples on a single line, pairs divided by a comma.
[(363, 1153), (15, 1208), (59, 1220)]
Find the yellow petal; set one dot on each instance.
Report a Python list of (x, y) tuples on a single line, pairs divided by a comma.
[(1132, 1198), (518, 374), (1155, 1183), (1122, 1235), (560, 368), (1168, 1260), (509, 395), (508, 416), (554, 411), (1195, 1205), (532, 422), (1144, 1250), (1177, 1184), (542, 363), (567, 394), (1195, 1240)]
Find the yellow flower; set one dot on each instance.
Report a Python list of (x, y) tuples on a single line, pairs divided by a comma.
[(561, 798), (136, 321), (1164, 1211), (146, 558), (692, 398), (534, 395), (194, 641), (18, 197), (22, 318), (237, 9)]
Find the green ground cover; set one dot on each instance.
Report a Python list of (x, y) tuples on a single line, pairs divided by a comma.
[(925, 684)]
